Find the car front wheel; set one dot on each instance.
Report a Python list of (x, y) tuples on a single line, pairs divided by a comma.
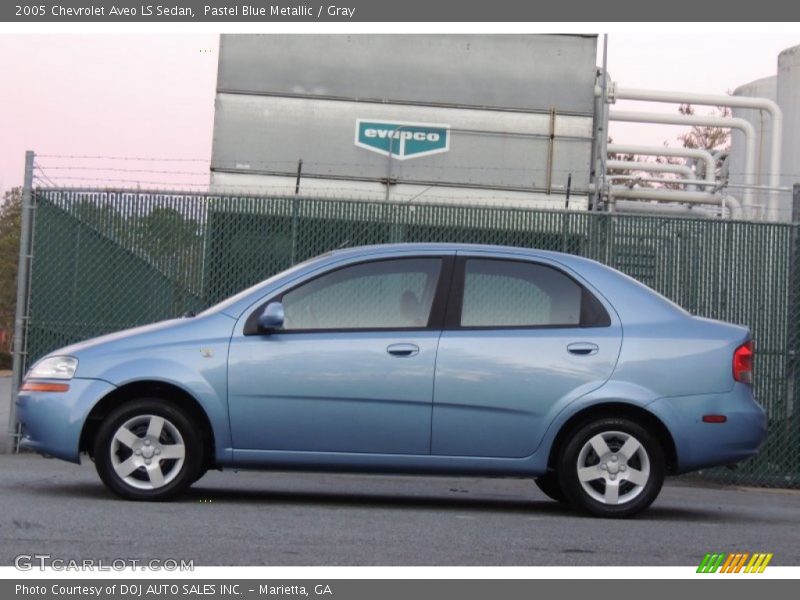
[(611, 467), (148, 449)]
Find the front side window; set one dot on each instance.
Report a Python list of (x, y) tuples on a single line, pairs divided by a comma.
[(391, 294), (501, 293)]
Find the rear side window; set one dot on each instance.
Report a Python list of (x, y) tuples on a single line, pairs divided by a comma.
[(501, 293)]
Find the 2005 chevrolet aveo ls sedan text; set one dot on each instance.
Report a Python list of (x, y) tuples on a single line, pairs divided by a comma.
[(412, 358)]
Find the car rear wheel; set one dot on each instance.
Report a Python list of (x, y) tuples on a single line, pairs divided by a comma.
[(200, 474), (549, 485), (611, 467), (148, 449)]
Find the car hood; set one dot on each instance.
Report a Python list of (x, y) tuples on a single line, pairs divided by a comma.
[(153, 335)]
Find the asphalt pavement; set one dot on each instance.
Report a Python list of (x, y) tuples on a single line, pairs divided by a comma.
[(250, 518)]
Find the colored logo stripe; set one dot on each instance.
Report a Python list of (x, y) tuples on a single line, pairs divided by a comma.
[(734, 562), (758, 563), (732, 558), (710, 563)]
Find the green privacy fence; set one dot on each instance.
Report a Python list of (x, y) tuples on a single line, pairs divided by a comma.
[(104, 261)]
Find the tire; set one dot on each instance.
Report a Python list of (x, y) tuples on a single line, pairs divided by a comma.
[(200, 474), (551, 488), (622, 466), (135, 463)]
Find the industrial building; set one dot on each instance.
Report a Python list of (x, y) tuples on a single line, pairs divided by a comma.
[(511, 120)]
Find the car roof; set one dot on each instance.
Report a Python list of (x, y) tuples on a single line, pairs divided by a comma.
[(402, 248)]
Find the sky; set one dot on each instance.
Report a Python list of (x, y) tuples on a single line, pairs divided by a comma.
[(107, 95), (152, 96), (711, 63)]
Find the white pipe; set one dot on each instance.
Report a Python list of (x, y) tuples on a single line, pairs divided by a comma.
[(696, 153), (687, 182), (632, 206), (775, 113), (727, 122), (604, 85), (633, 165), (735, 205), (678, 196), (763, 188)]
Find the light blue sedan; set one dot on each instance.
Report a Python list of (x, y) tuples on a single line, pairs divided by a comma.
[(413, 358)]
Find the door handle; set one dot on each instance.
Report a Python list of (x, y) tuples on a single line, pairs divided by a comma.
[(403, 350), (583, 348)]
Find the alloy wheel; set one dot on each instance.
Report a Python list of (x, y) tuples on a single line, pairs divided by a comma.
[(147, 452), (613, 467)]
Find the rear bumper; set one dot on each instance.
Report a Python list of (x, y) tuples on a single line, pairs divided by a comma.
[(52, 421), (700, 445)]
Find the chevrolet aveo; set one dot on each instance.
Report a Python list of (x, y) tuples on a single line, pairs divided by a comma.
[(414, 358)]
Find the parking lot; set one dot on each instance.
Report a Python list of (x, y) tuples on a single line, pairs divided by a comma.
[(248, 518)]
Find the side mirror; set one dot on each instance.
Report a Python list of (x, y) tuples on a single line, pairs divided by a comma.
[(272, 317)]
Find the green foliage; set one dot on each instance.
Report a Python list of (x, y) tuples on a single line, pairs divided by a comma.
[(10, 220), (706, 137)]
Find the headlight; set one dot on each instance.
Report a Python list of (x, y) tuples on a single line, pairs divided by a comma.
[(55, 367)]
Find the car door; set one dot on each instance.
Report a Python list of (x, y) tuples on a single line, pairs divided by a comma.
[(352, 368), (521, 338)]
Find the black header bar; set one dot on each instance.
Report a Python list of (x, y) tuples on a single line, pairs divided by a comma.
[(465, 11)]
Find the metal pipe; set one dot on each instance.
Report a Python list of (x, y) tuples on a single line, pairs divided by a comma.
[(763, 188), (695, 153), (21, 314), (569, 190), (765, 104), (297, 181), (633, 165), (604, 85), (735, 205), (631, 206), (550, 151), (687, 182), (594, 158), (728, 122), (678, 196), (396, 133)]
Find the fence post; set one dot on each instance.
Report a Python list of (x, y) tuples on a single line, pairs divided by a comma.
[(293, 257), (21, 314), (793, 315)]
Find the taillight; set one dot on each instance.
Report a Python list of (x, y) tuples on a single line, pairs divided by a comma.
[(743, 362)]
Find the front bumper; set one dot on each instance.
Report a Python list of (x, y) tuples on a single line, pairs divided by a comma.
[(52, 421), (700, 445)]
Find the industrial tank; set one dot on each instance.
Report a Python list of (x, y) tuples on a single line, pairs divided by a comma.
[(765, 87), (789, 100), (442, 118)]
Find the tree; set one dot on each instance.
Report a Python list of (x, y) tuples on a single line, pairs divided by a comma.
[(174, 245), (643, 173), (705, 137), (10, 227), (165, 233)]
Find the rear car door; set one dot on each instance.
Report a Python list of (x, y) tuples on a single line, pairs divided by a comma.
[(522, 338)]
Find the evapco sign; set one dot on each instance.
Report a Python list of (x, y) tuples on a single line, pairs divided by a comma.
[(402, 140)]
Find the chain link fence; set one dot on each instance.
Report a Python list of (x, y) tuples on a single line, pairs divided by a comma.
[(109, 260)]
